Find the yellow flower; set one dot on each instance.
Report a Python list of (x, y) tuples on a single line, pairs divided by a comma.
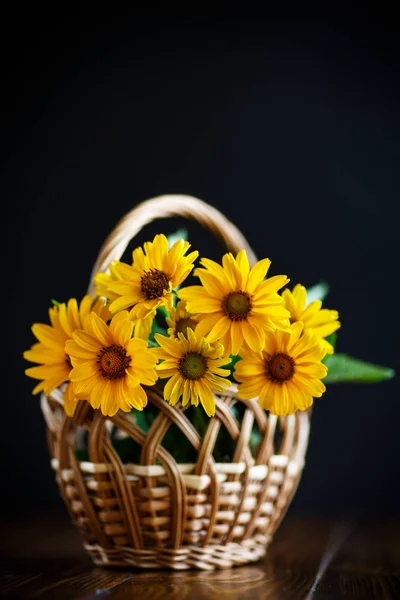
[(50, 351), (286, 375), (322, 321), (194, 368), (147, 283), (179, 320), (235, 304), (109, 365)]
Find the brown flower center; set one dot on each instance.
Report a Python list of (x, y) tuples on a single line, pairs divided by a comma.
[(236, 305), (113, 361), (279, 367), (192, 365), (182, 325), (154, 283)]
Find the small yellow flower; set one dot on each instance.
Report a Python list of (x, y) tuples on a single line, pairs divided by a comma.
[(286, 375), (322, 321), (179, 320), (235, 304), (193, 367), (156, 270), (50, 353), (109, 365)]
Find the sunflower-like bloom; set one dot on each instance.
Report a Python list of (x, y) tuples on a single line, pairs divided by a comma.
[(286, 375), (235, 304), (179, 320), (50, 352), (194, 368), (146, 284), (322, 321), (109, 365)]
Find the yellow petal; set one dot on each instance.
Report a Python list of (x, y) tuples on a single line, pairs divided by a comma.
[(44, 355), (206, 323), (231, 271), (84, 371), (206, 397), (210, 282), (300, 296), (45, 371), (142, 327), (70, 401), (84, 387), (257, 274), (85, 340), (236, 337), (122, 303), (244, 267), (100, 330), (49, 336), (253, 336), (171, 345), (121, 328), (300, 397), (219, 329), (169, 386)]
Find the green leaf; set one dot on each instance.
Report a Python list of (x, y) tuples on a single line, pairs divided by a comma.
[(344, 368), (180, 234), (55, 302), (231, 366), (318, 291)]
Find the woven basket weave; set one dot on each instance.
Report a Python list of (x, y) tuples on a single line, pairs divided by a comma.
[(159, 513)]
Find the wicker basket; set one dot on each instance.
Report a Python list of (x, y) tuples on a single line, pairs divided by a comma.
[(159, 513)]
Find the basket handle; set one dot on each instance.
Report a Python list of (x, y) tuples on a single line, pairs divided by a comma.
[(168, 205)]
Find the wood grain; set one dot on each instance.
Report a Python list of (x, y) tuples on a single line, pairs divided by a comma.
[(309, 559)]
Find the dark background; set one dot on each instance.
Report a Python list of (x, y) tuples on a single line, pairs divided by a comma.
[(288, 123)]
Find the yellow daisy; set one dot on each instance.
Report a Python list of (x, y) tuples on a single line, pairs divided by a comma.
[(146, 284), (286, 375), (179, 320), (236, 304), (109, 365), (322, 321), (50, 353), (194, 368)]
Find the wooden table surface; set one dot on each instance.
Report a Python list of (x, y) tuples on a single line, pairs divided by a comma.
[(309, 558)]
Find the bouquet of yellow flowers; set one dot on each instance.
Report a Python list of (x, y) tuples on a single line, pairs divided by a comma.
[(144, 327), (177, 410)]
